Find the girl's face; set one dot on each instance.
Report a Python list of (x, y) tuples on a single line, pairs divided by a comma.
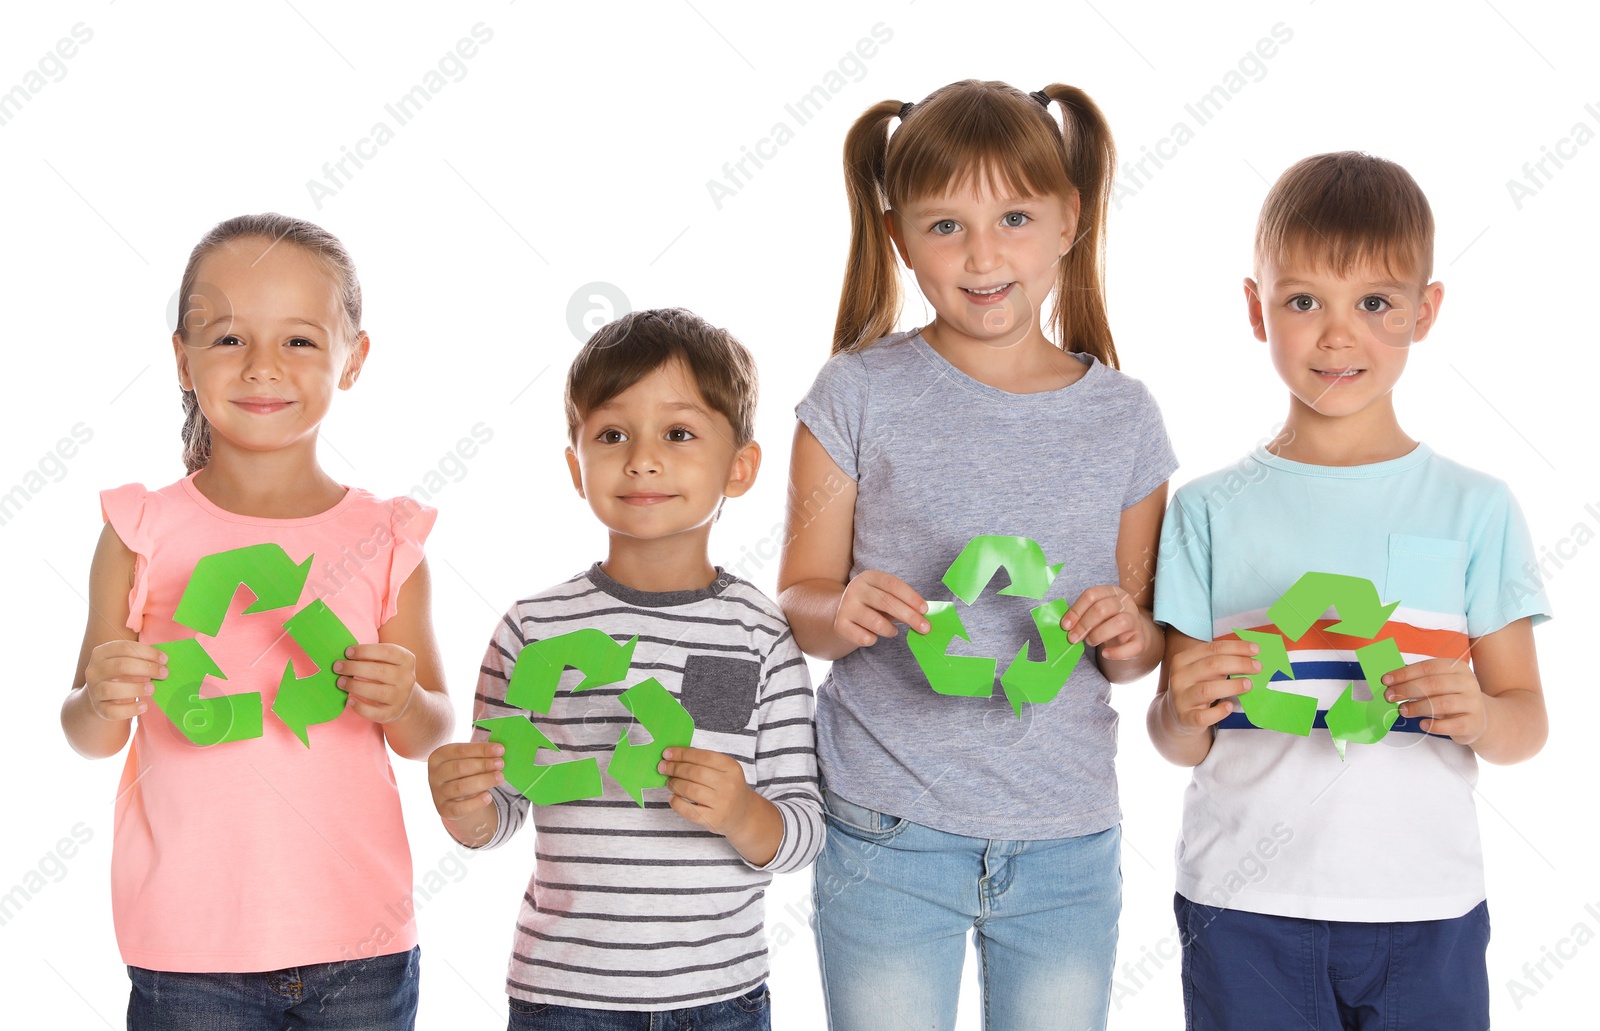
[(985, 261), (266, 345)]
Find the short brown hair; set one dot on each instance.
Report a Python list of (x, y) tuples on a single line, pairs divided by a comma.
[(624, 351), (1343, 208)]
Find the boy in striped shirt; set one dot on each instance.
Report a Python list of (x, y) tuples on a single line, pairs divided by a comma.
[(1332, 877), (631, 909)]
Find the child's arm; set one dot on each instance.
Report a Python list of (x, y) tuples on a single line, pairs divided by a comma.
[(1495, 706), (399, 682), (112, 682), (831, 613), (1117, 619), (1190, 691)]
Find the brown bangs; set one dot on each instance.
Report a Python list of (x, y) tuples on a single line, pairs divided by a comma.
[(977, 133), (1334, 212)]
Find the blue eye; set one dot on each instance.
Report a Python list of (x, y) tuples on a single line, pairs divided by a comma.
[(1374, 304), (1015, 220), (1303, 302), (945, 227)]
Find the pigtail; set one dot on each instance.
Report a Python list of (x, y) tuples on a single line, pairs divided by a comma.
[(196, 434), (869, 303), (1080, 318)]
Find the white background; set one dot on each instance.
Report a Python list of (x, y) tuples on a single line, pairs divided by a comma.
[(576, 149)]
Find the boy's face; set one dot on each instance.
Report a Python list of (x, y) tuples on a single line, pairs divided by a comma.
[(1340, 342), (656, 460)]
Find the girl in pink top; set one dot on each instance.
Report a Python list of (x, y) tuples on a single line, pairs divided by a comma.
[(260, 873)]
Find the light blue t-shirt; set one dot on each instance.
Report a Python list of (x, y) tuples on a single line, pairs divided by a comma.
[(939, 458), (1276, 823)]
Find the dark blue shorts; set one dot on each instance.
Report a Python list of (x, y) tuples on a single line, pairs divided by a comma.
[(751, 1011), (1248, 971)]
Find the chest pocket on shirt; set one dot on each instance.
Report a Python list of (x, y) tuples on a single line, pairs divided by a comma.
[(1427, 573), (720, 692)]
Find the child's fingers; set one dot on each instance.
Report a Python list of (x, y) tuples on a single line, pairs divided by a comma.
[(377, 672), (129, 668), (452, 770), (900, 590), (378, 651), (121, 709), (889, 608), (694, 791), (1208, 715), (471, 788), (1218, 659), (689, 811), (129, 649)]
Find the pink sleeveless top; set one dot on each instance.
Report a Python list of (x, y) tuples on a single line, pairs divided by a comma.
[(261, 854)]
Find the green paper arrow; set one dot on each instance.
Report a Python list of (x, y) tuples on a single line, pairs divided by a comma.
[(669, 725), (264, 568), (541, 785), (1366, 723), (305, 701), (1361, 612), (538, 670), (1040, 682), (204, 721), (1269, 709), (1021, 558), (966, 676)]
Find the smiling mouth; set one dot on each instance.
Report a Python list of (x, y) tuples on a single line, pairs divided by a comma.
[(262, 405), (1339, 374), (988, 294)]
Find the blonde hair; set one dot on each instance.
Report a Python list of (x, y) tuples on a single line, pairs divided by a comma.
[(322, 245), (1338, 209), (965, 133)]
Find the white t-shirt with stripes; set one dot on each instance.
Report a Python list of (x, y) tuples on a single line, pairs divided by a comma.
[(640, 909)]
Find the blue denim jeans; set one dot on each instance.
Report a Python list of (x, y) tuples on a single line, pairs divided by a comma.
[(374, 994), (895, 901), (751, 1011), (1253, 972)]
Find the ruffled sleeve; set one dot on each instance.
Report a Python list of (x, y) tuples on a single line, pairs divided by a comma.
[(125, 508), (410, 521)]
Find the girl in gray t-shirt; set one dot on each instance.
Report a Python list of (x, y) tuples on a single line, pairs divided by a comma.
[(991, 807)]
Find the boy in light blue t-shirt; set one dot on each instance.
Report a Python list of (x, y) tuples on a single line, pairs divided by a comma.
[(1329, 868)]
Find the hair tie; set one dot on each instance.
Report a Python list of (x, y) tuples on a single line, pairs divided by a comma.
[(1042, 97), (905, 109)]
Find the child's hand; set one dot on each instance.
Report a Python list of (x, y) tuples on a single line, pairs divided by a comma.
[(380, 679), (1108, 618), (708, 788), (117, 678), (460, 776), (1200, 679), (1445, 693), (872, 603)]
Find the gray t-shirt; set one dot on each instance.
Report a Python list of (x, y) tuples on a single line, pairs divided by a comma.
[(939, 458)]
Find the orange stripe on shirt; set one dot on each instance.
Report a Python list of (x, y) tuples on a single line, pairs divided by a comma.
[(1443, 644)]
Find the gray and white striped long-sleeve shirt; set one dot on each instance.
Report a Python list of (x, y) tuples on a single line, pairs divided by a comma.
[(640, 909)]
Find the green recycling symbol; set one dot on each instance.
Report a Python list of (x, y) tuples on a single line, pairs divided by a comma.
[(276, 581), (1361, 614), (973, 676), (601, 660)]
